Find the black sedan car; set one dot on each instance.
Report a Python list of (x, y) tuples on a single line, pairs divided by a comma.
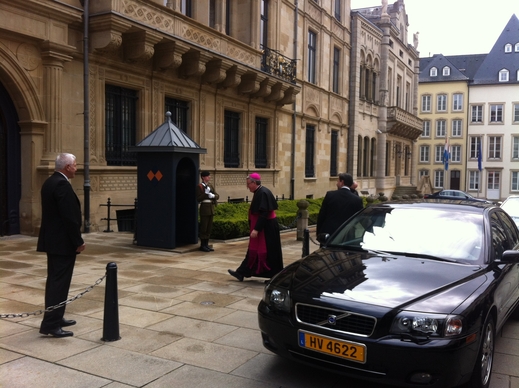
[(454, 194), (407, 293)]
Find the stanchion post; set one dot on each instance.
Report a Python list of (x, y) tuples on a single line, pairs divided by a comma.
[(111, 313), (302, 220), (306, 243)]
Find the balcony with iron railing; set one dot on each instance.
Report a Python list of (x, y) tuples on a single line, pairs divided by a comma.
[(275, 63)]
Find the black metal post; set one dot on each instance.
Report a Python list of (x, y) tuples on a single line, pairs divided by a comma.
[(306, 243), (111, 313), (108, 206)]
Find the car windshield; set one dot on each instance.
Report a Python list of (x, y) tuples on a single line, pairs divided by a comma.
[(440, 233)]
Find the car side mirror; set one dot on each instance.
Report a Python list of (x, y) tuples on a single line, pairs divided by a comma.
[(509, 256), (323, 237)]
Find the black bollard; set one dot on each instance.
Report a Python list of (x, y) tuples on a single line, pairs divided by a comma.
[(306, 243), (111, 315)]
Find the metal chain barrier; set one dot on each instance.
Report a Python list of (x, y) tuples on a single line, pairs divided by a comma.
[(51, 308), (292, 225)]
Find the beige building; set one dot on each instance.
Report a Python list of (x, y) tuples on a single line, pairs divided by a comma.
[(262, 85), (444, 97)]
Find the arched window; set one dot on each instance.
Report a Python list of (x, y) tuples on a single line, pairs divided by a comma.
[(446, 70), (508, 48), (503, 75), (433, 72), (517, 47)]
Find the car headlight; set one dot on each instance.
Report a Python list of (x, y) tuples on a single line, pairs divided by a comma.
[(436, 325), (277, 298)]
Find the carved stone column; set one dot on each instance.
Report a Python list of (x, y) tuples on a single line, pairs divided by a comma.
[(53, 58), (384, 98)]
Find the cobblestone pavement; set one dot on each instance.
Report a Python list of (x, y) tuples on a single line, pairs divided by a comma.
[(183, 322)]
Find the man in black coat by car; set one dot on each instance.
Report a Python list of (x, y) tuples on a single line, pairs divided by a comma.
[(338, 205), (60, 237)]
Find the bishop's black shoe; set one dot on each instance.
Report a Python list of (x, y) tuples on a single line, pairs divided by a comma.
[(237, 275)]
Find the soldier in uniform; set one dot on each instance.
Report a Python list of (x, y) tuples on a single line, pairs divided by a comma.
[(207, 197)]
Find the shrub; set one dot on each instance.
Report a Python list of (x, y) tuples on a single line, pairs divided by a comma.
[(231, 219)]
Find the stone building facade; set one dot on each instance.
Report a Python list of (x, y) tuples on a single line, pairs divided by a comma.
[(262, 85)]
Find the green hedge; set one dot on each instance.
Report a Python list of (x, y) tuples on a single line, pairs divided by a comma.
[(230, 219)]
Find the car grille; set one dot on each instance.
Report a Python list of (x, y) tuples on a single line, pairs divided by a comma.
[(345, 321)]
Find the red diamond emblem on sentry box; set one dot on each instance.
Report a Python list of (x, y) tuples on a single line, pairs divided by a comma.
[(158, 175)]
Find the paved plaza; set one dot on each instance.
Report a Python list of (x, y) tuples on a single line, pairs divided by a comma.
[(183, 322)]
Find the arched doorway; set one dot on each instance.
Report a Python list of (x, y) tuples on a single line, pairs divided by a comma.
[(10, 166)]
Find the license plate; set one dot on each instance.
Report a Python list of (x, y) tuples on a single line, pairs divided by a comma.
[(338, 348)]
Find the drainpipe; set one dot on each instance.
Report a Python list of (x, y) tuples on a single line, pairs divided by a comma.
[(294, 115), (86, 118)]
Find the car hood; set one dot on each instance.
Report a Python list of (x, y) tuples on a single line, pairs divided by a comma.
[(387, 281)]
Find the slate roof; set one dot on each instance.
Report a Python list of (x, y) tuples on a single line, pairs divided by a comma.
[(168, 138), (439, 61), (478, 68), (463, 67), (497, 59)]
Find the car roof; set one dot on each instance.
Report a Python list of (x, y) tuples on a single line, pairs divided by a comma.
[(450, 204)]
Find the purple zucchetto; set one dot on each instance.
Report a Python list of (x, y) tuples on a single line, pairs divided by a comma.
[(255, 176)]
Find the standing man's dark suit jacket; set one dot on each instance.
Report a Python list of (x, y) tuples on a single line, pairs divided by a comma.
[(338, 206), (60, 231)]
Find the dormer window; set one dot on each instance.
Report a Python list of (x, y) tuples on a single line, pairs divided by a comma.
[(433, 72), (446, 70), (508, 48), (517, 47), (503, 75)]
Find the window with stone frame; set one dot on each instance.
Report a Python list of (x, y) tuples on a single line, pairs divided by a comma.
[(334, 153), (457, 102), (438, 179), (179, 112), (496, 113), (514, 183), (441, 103), (515, 148), (336, 69), (475, 145), (310, 151), (231, 139), (337, 9), (424, 154), (474, 178), (476, 113), (120, 125), (426, 128), (312, 57), (260, 146), (494, 147), (438, 153), (441, 128), (457, 127), (426, 103), (455, 152)]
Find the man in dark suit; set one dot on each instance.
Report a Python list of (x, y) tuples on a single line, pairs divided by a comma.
[(208, 198), (338, 205), (60, 237)]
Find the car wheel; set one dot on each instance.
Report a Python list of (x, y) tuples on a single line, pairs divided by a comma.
[(483, 368)]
